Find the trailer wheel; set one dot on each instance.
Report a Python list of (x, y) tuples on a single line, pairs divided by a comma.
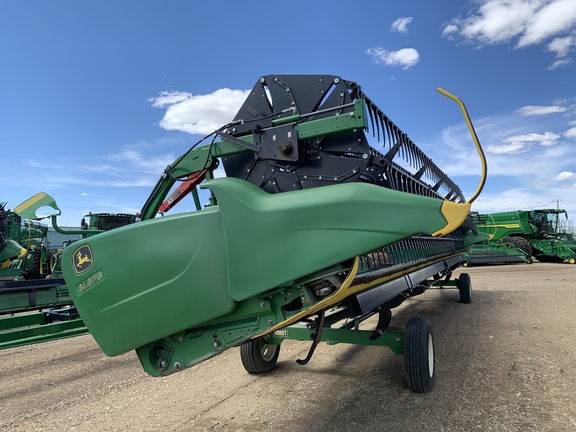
[(464, 286), (258, 356), (419, 356)]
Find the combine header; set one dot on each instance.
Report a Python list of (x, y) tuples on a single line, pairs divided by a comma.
[(312, 227)]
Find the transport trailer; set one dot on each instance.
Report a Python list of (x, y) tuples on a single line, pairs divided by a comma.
[(311, 224)]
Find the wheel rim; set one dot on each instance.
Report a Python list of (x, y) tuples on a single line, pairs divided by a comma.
[(267, 351), (430, 356)]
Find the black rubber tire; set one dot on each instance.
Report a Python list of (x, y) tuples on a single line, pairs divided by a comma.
[(258, 356), (464, 285), (520, 243), (419, 359), (35, 272)]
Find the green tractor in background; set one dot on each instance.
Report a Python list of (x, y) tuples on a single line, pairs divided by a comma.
[(23, 246), (517, 236)]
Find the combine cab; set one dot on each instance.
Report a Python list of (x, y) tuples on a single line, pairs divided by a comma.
[(312, 227), (518, 236), (105, 221)]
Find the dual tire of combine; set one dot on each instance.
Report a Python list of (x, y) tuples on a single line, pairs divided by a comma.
[(35, 271)]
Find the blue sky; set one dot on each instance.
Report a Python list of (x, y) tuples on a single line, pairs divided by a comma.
[(99, 96)]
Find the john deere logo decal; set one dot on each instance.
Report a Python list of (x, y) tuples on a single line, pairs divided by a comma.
[(82, 259)]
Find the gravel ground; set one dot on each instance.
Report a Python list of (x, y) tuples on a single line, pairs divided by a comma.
[(504, 363)]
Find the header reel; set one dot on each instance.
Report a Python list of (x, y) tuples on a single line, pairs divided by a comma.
[(282, 159)]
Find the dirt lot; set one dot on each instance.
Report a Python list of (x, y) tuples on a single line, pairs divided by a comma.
[(506, 362)]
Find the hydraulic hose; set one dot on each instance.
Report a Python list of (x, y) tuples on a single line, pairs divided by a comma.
[(476, 142)]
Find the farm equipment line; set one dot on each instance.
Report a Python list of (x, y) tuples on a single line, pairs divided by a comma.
[(35, 304)]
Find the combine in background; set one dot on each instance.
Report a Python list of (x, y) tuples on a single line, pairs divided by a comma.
[(312, 232), (25, 286), (23, 247), (90, 225), (518, 236)]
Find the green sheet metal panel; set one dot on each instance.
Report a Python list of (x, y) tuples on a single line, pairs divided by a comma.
[(162, 276), (150, 278), (274, 239)]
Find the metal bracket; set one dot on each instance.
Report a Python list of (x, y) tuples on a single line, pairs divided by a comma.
[(317, 338), (279, 143)]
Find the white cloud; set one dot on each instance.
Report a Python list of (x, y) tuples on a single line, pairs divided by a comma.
[(553, 18), (404, 58), (561, 46), (511, 148), (144, 166), (570, 133), (523, 199), (532, 110), (545, 139), (523, 172), (140, 162), (559, 63), (169, 98), (512, 199), (401, 24), (565, 175), (514, 147), (520, 22), (449, 29), (199, 114)]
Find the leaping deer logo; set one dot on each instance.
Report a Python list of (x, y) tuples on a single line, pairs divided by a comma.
[(82, 259)]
